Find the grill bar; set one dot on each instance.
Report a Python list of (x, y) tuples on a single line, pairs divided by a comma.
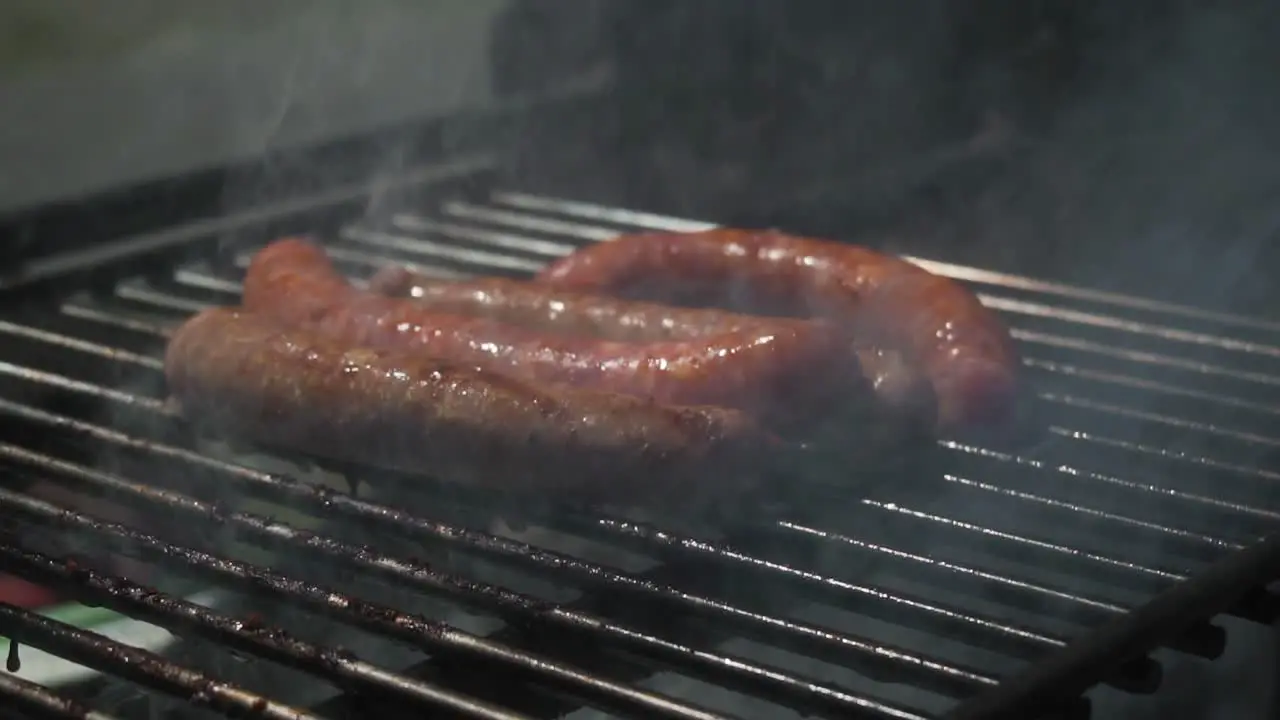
[(350, 195), (1155, 493), (654, 221), (1189, 599), (1018, 307), (1196, 544), (429, 636), (1140, 568), (1126, 572), (1119, 376), (75, 310), (1202, 638), (876, 660), (1142, 676), (1062, 315), (1067, 674), (40, 703), (1136, 675), (621, 220), (1234, 470), (145, 668), (248, 635), (937, 618)]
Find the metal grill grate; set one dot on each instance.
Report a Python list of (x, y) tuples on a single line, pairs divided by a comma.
[(996, 580)]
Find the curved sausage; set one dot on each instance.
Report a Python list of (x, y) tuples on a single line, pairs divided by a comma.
[(905, 395), (249, 377), (788, 376), (562, 312), (962, 346)]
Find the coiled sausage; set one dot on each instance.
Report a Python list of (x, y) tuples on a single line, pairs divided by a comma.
[(962, 346), (292, 388), (789, 376), (905, 395)]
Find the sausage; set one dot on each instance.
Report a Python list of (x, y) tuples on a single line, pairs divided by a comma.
[(905, 395), (962, 346), (251, 378), (791, 377), (563, 312)]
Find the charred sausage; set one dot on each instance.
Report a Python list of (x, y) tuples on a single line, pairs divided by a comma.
[(790, 376), (962, 346), (905, 395), (291, 388)]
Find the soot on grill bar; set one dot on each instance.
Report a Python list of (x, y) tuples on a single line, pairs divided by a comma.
[(1097, 174)]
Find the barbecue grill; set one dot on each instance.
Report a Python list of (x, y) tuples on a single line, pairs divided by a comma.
[(1078, 574), (996, 584)]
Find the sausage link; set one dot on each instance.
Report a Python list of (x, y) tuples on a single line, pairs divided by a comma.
[(961, 345), (291, 388), (535, 307), (906, 396), (790, 376)]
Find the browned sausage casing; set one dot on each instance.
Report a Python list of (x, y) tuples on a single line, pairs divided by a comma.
[(906, 395), (295, 389), (789, 375), (962, 346)]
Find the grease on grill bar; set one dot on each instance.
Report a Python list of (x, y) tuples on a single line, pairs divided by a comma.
[(40, 702), (891, 664), (983, 589), (147, 669), (250, 635)]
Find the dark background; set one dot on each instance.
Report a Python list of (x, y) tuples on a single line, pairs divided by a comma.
[(1125, 145), (1121, 145)]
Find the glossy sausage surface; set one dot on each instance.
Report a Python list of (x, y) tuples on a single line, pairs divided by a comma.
[(790, 376), (962, 346), (248, 377), (905, 394), (562, 312)]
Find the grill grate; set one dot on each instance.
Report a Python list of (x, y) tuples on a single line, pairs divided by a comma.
[(996, 579)]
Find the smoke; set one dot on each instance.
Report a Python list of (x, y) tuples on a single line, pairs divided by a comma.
[(1133, 153), (1129, 130), (152, 90), (1153, 176)]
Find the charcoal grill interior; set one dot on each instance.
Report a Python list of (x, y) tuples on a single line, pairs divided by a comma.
[(986, 584)]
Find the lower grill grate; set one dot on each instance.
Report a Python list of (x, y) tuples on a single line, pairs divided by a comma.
[(980, 588)]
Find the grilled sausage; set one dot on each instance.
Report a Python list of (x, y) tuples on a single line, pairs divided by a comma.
[(790, 376), (562, 312), (291, 388), (906, 397), (961, 345)]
